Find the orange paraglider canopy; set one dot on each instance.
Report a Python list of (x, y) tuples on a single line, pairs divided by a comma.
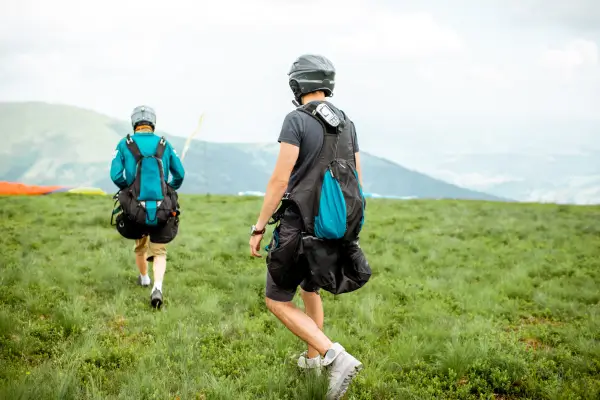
[(20, 189)]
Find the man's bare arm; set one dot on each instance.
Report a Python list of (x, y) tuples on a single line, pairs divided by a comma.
[(288, 154), (358, 169)]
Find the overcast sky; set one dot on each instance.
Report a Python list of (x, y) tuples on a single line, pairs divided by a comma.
[(416, 76)]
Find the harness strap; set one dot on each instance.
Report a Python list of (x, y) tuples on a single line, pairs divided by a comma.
[(277, 215), (160, 148), (135, 150), (312, 107), (116, 210), (133, 147)]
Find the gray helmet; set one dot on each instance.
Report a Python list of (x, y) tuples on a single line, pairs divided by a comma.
[(309, 73), (143, 115)]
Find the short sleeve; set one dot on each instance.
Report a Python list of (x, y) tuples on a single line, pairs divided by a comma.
[(291, 130)]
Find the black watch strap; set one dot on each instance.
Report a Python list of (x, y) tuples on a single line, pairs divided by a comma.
[(254, 231)]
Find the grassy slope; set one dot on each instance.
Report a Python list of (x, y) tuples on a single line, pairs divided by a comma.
[(467, 300)]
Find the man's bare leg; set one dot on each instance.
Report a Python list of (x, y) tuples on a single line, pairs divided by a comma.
[(140, 249), (313, 306), (159, 265), (142, 264), (300, 325)]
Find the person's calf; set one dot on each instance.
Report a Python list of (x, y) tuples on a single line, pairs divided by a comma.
[(142, 265), (313, 307), (159, 267), (299, 324)]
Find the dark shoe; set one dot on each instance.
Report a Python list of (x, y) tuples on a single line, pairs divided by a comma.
[(156, 298)]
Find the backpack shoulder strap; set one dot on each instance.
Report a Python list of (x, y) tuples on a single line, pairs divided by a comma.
[(310, 108), (352, 131), (133, 147), (324, 114), (160, 147)]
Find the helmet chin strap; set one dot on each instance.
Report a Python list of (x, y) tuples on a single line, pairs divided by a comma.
[(297, 93)]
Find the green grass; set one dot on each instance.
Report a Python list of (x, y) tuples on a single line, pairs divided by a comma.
[(468, 300)]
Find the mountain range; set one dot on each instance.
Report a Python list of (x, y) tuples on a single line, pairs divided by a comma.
[(51, 144), (529, 158), (570, 178)]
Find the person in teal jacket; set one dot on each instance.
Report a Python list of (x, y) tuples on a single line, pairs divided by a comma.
[(152, 246)]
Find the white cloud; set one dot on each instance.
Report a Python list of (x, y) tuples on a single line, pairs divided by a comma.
[(475, 180), (198, 52), (229, 59), (463, 74), (576, 55), (400, 36), (489, 75)]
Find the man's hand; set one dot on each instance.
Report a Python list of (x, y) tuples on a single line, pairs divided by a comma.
[(255, 244)]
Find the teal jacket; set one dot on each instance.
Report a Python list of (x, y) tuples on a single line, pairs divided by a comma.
[(122, 169)]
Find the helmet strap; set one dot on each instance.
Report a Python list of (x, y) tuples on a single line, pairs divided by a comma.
[(295, 86)]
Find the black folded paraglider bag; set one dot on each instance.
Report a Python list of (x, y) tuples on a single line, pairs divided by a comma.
[(355, 270), (284, 264), (336, 266), (128, 228), (322, 258)]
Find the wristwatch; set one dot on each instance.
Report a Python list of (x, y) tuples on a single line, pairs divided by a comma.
[(254, 231)]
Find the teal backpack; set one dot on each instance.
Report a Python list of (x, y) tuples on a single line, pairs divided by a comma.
[(148, 200)]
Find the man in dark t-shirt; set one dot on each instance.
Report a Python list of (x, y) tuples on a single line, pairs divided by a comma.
[(311, 78)]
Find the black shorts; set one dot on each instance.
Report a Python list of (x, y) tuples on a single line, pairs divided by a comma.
[(278, 293), (286, 268), (161, 234)]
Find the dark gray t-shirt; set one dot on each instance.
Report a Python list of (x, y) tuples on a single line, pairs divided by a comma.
[(304, 131)]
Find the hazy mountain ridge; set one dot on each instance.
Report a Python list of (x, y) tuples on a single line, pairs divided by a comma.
[(559, 178), (50, 144)]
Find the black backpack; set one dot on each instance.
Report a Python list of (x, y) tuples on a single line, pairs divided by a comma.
[(336, 209), (331, 205), (148, 201)]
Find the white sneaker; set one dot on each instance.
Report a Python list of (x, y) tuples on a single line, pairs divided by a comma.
[(142, 281), (343, 368), (310, 363)]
